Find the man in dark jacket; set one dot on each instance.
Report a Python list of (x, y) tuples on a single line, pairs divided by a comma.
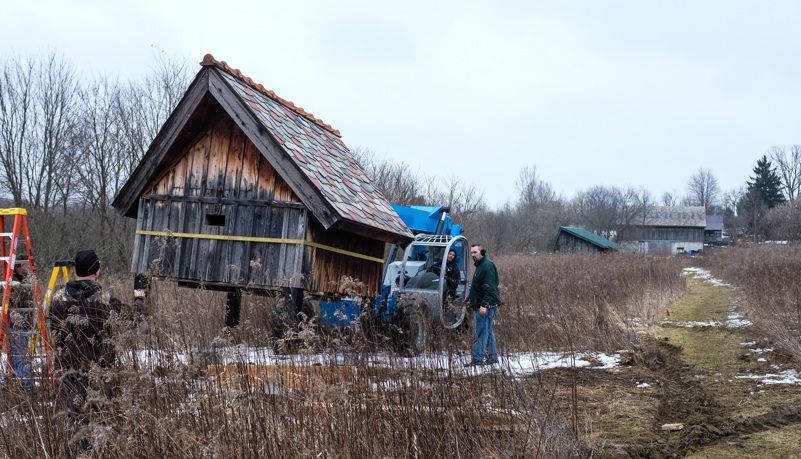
[(82, 336), (484, 298)]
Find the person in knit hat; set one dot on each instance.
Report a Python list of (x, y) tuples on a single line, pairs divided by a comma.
[(83, 340)]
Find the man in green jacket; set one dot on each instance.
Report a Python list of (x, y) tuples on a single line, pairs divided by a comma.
[(484, 298)]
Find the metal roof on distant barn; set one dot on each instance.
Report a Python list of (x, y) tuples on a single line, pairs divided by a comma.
[(714, 223), (588, 236), (317, 151), (686, 216)]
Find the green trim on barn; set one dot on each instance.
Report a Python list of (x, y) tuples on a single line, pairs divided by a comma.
[(592, 238)]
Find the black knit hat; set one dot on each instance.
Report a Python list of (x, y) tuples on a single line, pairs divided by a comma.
[(86, 263)]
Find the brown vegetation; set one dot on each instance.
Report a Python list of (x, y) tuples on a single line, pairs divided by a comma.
[(171, 400), (769, 281)]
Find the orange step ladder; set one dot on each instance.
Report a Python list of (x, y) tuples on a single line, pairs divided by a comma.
[(17, 355)]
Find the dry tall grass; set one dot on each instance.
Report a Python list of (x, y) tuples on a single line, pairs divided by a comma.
[(768, 278), (170, 400), (588, 302)]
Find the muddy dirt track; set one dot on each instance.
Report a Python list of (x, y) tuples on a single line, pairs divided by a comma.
[(723, 394)]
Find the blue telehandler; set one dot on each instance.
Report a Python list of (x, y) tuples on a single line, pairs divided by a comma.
[(414, 296)]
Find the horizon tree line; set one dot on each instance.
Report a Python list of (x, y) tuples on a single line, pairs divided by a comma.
[(68, 143)]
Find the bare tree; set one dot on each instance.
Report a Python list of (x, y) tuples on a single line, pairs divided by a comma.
[(788, 165), (17, 119), (669, 198), (732, 197), (144, 106), (537, 213), (36, 106), (597, 209), (785, 221), (610, 211), (703, 188), (396, 181), (633, 209)]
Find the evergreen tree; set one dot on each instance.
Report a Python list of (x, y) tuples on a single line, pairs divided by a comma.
[(766, 183)]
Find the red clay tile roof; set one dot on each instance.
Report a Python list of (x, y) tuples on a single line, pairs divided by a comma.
[(318, 152)]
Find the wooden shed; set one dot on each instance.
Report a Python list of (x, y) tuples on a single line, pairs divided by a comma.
[(578, 240), (241, 188)]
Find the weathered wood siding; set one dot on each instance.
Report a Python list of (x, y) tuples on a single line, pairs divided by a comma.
[(568, 243), (667, 233), (328, 267), (221, 185)]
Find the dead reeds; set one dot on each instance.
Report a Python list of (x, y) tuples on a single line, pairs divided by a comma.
[(184, 385), (768, 282)]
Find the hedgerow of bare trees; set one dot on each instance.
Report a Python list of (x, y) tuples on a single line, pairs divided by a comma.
[(69, 142)]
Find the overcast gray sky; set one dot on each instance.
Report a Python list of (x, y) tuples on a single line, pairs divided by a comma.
[(592, 92)]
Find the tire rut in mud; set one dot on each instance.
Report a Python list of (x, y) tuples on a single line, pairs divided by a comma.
[(685, 400)]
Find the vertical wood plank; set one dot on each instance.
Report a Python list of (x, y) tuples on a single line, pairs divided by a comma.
[(274, 250), (300, 233), (179, 178), (196, 165), (218, 152), (144, 266), (233, 171), (243, 226), (138, 237), (188, 246), (172, 256), (259, 251), (249, 186)]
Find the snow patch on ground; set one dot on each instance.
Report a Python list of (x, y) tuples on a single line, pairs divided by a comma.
[(785, 377), (692, 324), (736, 320), (517, 364), (704, 274)]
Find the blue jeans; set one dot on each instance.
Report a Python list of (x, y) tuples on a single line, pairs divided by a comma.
[(19, 356), (484, 345)]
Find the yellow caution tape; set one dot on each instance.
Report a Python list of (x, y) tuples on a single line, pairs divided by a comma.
[(272, 240)]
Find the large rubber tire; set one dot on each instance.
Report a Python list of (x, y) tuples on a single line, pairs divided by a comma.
[(418, 329)]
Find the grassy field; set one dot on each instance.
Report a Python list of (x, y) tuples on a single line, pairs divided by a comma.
[(342, 397)]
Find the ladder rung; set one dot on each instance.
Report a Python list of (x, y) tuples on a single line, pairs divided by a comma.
[(24, 309), (6, 235), (3, 283)]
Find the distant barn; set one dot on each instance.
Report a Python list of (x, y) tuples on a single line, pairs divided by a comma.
[(578, 240), (671, 230), (243, 189)]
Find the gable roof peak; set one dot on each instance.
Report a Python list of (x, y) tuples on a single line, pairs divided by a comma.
[(210, 61)]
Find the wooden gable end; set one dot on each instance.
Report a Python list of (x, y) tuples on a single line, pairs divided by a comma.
[(219, 215), (223, 163)]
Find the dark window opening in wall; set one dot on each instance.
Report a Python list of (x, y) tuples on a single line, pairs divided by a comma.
[(215, 220)]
